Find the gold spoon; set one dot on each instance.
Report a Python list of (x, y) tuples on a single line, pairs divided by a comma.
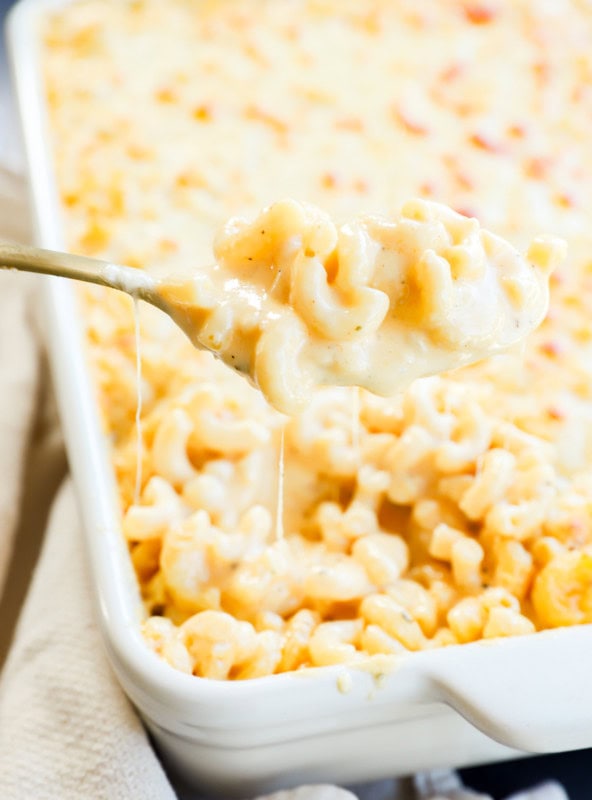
[(81, 268)]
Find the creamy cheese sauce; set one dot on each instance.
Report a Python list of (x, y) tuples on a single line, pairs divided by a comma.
[(295, 302)]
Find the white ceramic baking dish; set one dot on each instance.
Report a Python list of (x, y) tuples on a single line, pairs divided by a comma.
[(450, 707)]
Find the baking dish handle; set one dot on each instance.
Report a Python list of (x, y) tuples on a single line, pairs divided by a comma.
[(531, 693)]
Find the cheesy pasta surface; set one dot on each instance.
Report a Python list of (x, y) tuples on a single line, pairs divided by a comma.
[(458, 510)]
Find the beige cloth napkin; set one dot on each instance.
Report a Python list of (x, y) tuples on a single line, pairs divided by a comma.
[(66, 728)]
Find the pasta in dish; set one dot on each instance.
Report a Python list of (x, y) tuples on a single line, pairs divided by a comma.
[(459, 509)]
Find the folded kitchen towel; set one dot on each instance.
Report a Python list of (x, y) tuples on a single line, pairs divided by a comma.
[(66, 728)]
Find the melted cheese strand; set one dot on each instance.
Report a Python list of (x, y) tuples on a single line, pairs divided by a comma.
[(355, 421), (279, 508), (138, 416)]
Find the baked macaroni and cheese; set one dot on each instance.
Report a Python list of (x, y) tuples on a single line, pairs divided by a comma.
[(456, 510), (295, 303)]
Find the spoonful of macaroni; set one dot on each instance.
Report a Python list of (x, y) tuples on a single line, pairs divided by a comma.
[(293, 301)]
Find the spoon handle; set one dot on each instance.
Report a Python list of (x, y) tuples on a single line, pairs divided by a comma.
[(80, 268)]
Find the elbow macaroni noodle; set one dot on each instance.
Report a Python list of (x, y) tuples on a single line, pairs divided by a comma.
[(295, 302), (460, 508)]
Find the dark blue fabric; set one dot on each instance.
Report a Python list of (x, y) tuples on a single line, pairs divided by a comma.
[(572, 770), (4, 6)]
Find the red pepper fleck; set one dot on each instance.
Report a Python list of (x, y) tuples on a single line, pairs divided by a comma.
[(480, 13), (452, 72), (537, 168), (426, 189), (411, 126), (464, 181), (260, 115), (517, 131), (551, 348), (466, 212), (461, 178), (556, 413), (483, 142)]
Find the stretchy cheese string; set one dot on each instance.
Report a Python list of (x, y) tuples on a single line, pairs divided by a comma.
[(279, 508), (138, 418), (355, 420)]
